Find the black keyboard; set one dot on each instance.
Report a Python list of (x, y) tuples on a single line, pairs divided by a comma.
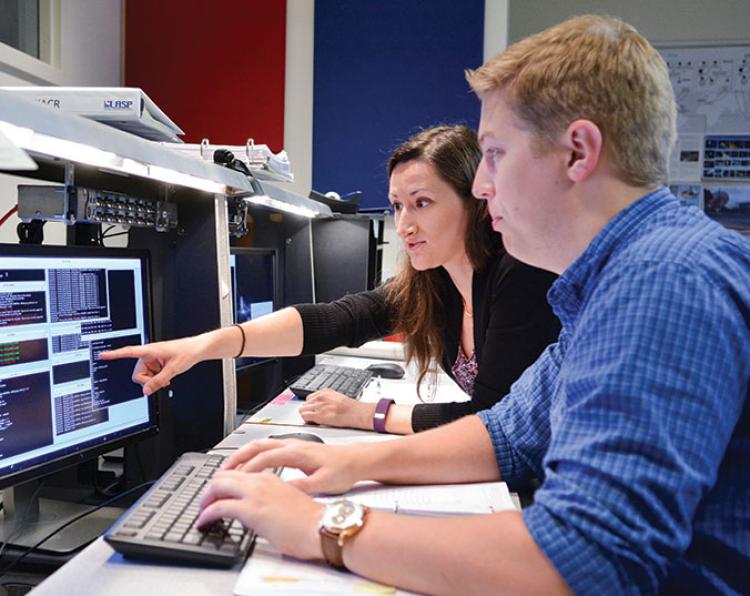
[(159, 526), (344, 379)]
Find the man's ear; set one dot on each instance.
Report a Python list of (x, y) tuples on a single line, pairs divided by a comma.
[(584, 143)]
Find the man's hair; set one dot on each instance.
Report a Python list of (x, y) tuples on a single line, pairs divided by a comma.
[(594, 68)]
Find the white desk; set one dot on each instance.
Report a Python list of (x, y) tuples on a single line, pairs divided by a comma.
[(284, 408), (98, 569)]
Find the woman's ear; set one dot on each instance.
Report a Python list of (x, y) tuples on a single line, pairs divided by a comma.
[(584, 143)]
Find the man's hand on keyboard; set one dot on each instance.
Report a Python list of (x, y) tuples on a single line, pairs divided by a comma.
[(275, 509), (331, 408), (330, 469), (160, 362)]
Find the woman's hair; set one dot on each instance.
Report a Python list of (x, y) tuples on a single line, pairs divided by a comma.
[(415, 296)]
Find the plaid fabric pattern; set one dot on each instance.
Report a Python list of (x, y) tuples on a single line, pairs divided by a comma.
[(637, 420)]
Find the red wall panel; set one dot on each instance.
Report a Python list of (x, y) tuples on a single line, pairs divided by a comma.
[(216, 68)]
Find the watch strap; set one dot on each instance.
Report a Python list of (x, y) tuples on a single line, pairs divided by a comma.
[(332, 552), (381, 412), (332, 543)]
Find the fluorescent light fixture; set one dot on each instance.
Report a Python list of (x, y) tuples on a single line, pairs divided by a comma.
[(33, 141), (130, 166), (267, 201), (12, 157), (175, 177), (86, 154)]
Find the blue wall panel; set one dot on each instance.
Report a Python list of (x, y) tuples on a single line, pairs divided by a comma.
[(383, 70)]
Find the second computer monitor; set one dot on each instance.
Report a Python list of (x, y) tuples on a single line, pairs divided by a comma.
[(255, 287)]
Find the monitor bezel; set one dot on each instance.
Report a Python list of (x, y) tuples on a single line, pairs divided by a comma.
[(87, 452), (277, 301)]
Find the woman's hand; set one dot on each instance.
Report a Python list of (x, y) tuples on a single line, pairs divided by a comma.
[(275, 509), (329, 469), (160, 362), (331, 408)]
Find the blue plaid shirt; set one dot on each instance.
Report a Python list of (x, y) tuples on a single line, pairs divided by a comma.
[(637, 420)]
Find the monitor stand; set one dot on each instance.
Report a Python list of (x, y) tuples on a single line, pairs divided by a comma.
[(27, 519)]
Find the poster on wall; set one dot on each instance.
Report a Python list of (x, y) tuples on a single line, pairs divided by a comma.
[(686, 161), (712, 88), (729, 205), (710, 165)]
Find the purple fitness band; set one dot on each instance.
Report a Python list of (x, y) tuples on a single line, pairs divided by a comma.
[(381, 411)]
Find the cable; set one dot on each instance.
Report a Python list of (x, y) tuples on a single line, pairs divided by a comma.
[(31, 232), (72, 521), (111, 235), (6, 217), (226, 158)]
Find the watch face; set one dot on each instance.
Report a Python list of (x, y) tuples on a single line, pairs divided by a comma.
[(341, 515)]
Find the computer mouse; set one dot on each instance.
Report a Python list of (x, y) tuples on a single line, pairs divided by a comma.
[(387, 370), (299, 436)]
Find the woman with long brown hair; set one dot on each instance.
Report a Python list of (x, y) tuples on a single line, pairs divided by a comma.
[(459, 301)]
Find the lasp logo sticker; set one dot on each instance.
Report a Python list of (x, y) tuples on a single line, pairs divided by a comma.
[(118, 104)]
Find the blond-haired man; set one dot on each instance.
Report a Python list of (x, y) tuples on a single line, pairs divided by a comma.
[(637, 420)]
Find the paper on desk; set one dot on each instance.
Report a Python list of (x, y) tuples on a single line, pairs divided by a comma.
[(474, 498), (280, 413), (269, 572)]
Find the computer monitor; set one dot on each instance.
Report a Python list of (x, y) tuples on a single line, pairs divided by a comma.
[(59, 404), (254, 288), (344, 250)]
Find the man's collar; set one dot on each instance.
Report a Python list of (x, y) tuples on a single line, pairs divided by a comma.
[(570, 288)]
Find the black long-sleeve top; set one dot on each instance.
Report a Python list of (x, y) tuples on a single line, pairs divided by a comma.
[(512, 325)]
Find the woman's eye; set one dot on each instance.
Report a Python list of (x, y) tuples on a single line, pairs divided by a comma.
[(422, 203), (395, 207)]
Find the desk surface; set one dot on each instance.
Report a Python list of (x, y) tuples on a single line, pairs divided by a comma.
[(98, 569)]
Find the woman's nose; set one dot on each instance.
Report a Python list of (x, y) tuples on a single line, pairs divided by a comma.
[(405, 226)]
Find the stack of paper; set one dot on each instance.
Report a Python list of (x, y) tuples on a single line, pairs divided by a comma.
[(436, 500), (431, 499), (126, 108)]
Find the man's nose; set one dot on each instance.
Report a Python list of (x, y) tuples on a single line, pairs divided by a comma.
[(482, 188)]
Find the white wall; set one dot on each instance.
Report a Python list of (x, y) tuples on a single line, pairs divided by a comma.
[(86, 47), (661, 21), (298, 92), (87, 51)]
